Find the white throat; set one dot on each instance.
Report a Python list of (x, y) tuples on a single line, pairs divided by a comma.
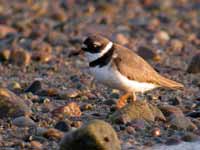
[(94, 56)]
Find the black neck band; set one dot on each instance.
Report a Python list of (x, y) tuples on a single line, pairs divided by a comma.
[(103, 60)]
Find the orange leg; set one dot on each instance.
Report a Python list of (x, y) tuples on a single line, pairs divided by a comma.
[(123, 99)]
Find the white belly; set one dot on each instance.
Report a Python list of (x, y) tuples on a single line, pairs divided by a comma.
[(107, 75)]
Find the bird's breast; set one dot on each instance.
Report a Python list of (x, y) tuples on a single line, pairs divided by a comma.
[(114, 79)]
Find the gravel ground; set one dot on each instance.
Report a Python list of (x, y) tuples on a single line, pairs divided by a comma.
[(42, 67)]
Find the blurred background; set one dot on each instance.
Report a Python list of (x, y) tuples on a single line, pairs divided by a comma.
[(150, 27)]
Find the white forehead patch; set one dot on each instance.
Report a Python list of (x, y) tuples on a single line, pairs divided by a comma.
[(94, 56)]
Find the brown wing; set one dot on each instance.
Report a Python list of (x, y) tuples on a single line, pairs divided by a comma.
[(136, 68)]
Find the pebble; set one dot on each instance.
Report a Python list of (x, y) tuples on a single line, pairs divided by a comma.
[(11, 105), (57, 38), (41, 51), (63, 126), (173, 141), (36, 145), (161, 37), (195, 114), (40, 131), (71, 109), (87, 107), (4, 55), (182, 122), (20, 57), (130, 130), (194, 66), (5, 30), (190, 137), (77, 124), (110, 102), (176, 118), (69, 93), (176, 101), (23, 122), (53, 134), (15, 86), (41, 56), (156, 132), (34, 87), (176, 45), (121, 39)]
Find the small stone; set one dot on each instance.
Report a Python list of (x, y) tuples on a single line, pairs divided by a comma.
[(176, 118), (176, 45), (77, 124), (181, 122), (40, 131), (20, 57), (194, 66), (153, 24), (173, 141), (71, 109), (130, 130), (53, 134), (156, 132), (100, 135), (57, 38), (23, 122), (15, 86), (5, 30), (190, 137), (162, 37), (87, 107), (11, 105), (69, 93), (62, 126), (195, 114), (41, 56), (59, 15), (138, 124), (4, 55), (176, 101), (36, 145), (49, 92), (110, 102), (34, 87), (120, 38), (169, 109), (41, 51)]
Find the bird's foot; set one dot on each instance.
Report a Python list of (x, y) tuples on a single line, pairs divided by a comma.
[(123, 100)]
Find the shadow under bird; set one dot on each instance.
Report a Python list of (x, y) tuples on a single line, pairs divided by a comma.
[(120, 68)]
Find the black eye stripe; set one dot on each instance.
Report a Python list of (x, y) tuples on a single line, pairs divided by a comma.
[(92, 49)]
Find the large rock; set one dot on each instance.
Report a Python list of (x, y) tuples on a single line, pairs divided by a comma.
[(176, 118), (137, 110), (96, 135), (11, 105)]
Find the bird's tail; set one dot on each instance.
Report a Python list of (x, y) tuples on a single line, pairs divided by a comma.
[(167, 83)]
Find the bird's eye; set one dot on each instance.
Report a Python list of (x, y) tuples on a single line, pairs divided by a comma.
[(96, 44)]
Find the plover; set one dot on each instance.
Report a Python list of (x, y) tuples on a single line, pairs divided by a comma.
[(120, 68)]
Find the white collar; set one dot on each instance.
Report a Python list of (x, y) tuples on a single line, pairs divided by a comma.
[(94, 56)]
